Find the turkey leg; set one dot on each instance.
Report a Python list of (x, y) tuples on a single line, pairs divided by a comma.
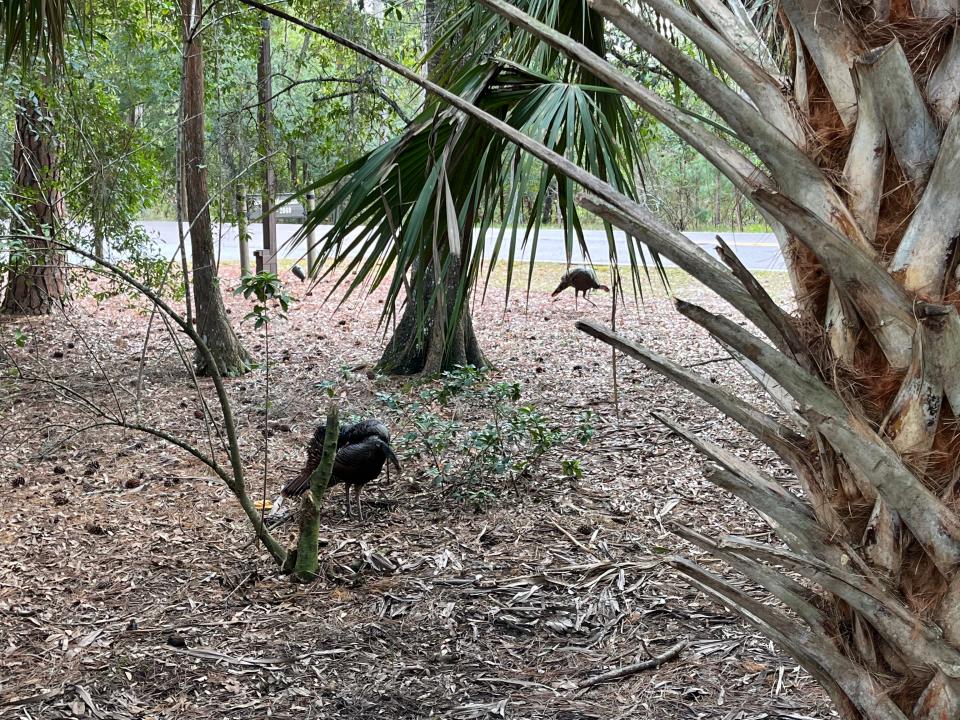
[(356, 494)]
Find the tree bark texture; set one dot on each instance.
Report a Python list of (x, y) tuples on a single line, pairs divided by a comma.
[(211, 316), (423, 341), (37, 281)]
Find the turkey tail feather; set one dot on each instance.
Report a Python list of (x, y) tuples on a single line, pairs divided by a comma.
[(297, 485)]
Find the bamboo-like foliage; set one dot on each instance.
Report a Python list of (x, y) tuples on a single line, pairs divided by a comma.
[(850, 110)]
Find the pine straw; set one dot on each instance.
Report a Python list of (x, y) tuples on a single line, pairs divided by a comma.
[(428, 609)]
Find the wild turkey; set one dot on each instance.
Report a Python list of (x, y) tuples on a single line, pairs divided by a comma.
[(582, 280), (362, 451)]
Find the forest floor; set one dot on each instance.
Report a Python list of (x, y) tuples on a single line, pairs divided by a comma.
[(129, 587)]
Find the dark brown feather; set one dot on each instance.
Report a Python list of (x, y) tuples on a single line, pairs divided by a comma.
[(362, 450)]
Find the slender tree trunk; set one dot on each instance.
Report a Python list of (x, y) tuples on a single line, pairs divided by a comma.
[(243, 233), (549, 201), (212, 322), (37, 279), (265, 130)]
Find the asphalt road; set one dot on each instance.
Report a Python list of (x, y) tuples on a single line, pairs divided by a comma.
[(758, 251)]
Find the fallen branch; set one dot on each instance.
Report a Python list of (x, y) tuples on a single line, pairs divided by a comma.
[(627, 670)]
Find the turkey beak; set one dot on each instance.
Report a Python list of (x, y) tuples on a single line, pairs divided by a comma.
[(392, 457)]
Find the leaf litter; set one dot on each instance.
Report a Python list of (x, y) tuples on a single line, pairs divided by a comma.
[(130, 587)]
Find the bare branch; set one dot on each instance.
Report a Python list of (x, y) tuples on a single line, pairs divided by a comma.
[(935, 526), (846, 682), (783, 440)]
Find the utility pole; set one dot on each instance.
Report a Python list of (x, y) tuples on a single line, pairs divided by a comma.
[(266, 258)]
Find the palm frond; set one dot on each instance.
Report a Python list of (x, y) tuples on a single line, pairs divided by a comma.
[(401, 206), (35, 29)]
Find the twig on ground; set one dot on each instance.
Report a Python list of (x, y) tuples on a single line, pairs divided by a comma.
[(627, 670)]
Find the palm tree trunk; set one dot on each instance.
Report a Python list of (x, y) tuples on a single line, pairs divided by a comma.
[(37, 279), (423, 341), (212, 322), (420, 343)]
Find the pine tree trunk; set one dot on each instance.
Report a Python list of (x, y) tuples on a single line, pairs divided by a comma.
[(36, 282), (212, 323)]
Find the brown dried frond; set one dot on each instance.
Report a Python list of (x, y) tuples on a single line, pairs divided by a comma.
[(813, 281), (943, 460), (829, 138), (870, 385), (923, 587), (856, 515)]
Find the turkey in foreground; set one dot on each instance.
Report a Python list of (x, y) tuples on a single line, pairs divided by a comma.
[(362, 451), (582, 280)]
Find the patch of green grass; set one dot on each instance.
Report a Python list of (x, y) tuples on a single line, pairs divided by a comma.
[(546, 276)]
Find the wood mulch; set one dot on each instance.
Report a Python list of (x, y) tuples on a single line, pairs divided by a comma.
[(129, 587)]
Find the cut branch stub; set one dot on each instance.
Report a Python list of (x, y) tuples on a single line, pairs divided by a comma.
[(934, 525), (832, 46), (943, 87), (913, 134), (913, 416), (882, 303), (866, 160), (942, 340), (921, 258)]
